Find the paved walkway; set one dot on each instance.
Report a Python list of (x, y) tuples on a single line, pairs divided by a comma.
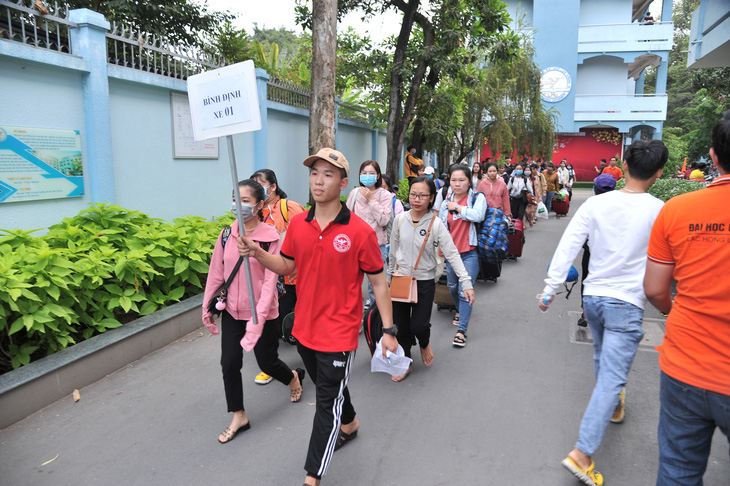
[(502, 411)]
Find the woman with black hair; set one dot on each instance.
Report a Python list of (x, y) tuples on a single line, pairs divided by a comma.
[(278, 211), (373, 204), (460, 212), (413, 230), (519, 187), (238, 330), (476, 175)]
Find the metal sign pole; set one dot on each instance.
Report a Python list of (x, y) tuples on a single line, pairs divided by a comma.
[(241, 229)]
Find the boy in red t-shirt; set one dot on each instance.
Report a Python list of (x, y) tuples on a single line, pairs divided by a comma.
[(331, 249), (617, 173)]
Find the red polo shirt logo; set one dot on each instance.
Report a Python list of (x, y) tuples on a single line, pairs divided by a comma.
[(342, 243)]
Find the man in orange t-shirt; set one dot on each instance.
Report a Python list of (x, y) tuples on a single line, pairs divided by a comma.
[(693, 248), (617, 173)]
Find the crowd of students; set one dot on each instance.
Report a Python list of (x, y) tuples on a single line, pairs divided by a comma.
[(375, 235)]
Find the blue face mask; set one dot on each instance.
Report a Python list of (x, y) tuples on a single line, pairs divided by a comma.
[(430, 176), (518, 172), (368, 180)]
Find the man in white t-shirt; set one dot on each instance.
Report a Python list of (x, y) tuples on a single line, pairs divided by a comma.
[(613, 297)]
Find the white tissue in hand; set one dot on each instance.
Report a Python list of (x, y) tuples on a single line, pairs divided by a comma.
[(394, 364)]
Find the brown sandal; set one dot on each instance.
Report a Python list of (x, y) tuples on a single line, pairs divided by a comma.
[(296, 394)]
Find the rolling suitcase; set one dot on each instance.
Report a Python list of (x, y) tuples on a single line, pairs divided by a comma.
[(516, 240), (490, 271), (561, 206), (442, 297)]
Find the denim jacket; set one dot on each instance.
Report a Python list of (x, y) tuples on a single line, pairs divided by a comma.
[(475, 212)]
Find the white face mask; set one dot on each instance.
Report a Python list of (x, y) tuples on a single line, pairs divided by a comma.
[(247, 212), (528, 173)]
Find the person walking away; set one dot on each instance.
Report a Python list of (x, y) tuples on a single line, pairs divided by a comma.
[(613, 297), (461, 211), (601, 184), (411, 164), (414, 230), (553, 185), (519, 187), (278, 211), (237, 329), (374, 205), (328, 313), (695, 355)]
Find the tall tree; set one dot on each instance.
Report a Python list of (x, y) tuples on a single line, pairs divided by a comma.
[(441, 30), (324, 53)]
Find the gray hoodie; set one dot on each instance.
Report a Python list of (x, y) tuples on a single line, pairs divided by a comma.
[(405, 244)]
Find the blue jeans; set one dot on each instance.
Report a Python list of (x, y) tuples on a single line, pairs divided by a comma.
[(384, 254), (471, 262), (687, 419), (549, 201), (616, 331)]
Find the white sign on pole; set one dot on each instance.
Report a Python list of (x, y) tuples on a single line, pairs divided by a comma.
[(224, 102)]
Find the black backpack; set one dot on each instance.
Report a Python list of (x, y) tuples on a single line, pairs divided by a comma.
[(372, 327)]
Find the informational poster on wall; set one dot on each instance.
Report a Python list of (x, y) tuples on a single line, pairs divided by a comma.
[(39, 163), (224, 101), (184, 144)]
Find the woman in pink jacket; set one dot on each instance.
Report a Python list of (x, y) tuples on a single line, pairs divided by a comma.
[(373, 204), (238, 330), (495, 190)]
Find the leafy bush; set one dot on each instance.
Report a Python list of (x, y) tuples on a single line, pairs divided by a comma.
[(403, 189), (665, 189), (93, 272)]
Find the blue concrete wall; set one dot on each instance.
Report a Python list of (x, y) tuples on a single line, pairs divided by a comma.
[(601, 75), (34, 95), (288, 147), (605, 12), (555, 39), (134, 164)]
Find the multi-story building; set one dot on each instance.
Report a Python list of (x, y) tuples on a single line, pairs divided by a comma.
[(709, 41), (594, 56)]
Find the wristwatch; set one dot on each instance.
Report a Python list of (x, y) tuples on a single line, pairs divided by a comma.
[(393, 331)]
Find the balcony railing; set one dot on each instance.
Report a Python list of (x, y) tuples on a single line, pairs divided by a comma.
[(621, 107), (625, 37)]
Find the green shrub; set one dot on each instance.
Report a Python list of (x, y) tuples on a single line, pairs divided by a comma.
[(403, 189), (93, 272), (665, 189)]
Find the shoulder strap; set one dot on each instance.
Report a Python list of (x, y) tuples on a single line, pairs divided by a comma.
[(284, 206), (423, 246), (226, 234)]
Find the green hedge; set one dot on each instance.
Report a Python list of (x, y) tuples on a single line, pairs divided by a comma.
[(93, 272), (665, 189)]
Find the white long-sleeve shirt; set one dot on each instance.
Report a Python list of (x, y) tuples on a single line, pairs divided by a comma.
[(617, 225)]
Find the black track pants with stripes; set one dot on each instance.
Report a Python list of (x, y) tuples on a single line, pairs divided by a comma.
[(329, 372)]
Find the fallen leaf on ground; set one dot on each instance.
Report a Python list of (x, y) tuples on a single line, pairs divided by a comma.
[(48, 462), (76, 395)]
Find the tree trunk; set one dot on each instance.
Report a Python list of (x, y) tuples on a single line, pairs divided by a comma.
[(324, 53)]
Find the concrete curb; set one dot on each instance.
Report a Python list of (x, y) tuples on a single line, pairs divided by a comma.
[(40, 383)]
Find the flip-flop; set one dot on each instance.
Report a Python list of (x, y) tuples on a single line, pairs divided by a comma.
[(296, 395), (231, 434), (343, 438)]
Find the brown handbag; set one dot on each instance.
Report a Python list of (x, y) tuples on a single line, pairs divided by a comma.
[(403, 288)]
